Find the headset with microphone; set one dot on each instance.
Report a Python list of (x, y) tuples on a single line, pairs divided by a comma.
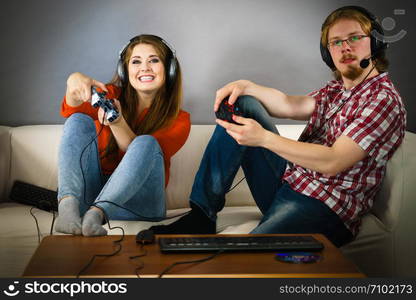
[(365, 62), (171, 63), (377, 45)]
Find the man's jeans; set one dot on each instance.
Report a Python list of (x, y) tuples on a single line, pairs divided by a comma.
[(137, 184), (284, 210)]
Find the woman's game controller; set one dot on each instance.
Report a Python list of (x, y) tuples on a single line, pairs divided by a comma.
[(226, 111), (99, 100)]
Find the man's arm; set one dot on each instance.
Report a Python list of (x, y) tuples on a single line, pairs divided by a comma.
[(277, 103), (343, 154)]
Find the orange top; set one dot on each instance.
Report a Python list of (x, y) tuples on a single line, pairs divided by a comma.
[(170, 138)]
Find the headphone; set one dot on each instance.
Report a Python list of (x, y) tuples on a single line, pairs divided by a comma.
[(171, 63), (377, 45)]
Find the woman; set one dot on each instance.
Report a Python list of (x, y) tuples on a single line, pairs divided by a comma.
[(120, 169)]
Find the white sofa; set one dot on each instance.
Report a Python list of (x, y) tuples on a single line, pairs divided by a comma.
[(384, 247)]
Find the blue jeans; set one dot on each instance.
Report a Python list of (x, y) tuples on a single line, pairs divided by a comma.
[(137, 184), (284, 210)]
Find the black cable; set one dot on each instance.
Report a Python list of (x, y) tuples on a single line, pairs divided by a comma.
[(37, 224), (189, 262), (116, 242), (85, 184), (315, 131), (116, 204), (53, 222), (141, 262), (80, 160), (235, 185), (120, 206)]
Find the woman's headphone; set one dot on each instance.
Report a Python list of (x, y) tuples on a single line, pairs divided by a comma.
[(170, 64), (377, 45)]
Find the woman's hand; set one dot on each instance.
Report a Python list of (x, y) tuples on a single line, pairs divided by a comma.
[(233, 89), (103, 119), (78, 88)]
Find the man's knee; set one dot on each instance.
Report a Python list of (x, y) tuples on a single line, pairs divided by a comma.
[(250, 106)]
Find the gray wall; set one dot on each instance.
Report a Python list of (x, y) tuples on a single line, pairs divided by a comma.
[(271, 42)]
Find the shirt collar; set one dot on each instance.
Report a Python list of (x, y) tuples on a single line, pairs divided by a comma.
[(339, 85)]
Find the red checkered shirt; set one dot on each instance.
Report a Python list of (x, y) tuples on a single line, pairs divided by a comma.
[(372, 114)]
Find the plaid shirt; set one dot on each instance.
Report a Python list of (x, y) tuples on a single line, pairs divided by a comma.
[(372, 115)]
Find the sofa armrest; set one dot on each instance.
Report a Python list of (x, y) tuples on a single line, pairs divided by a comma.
[(5, 152), (399, 184)]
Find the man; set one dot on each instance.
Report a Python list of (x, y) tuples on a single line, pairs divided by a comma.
[(326, 181)]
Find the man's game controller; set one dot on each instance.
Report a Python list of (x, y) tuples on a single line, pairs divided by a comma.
[(226, 111), (99, 100)]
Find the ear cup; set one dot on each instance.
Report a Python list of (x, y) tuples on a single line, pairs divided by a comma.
[(376, 45), (172, 69), (120, 70), (326, 57)]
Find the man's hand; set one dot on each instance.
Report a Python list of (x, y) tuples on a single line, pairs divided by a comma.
[(233, 89), (249, 133)]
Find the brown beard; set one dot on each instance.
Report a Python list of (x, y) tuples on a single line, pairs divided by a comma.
[(352, 72)]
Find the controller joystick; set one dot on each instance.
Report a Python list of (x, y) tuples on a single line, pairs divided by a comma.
[(226, 111), (99, 100)]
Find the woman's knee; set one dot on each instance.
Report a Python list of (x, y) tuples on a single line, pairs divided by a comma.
[(80, 120), (145, 141)]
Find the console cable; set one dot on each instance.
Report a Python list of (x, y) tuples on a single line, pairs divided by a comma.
[(168, 268)]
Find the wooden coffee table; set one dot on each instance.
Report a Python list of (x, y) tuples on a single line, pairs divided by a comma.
[(65, 256)]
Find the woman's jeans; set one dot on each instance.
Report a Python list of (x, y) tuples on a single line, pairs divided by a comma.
[(284, 210), (136, 189)]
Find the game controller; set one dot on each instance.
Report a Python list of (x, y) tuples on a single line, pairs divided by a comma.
[(226, 111), (99, 100)]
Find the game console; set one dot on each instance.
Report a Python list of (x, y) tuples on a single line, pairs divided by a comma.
[(99, 100)]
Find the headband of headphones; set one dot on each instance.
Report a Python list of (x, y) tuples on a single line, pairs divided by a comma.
[(377, 45), (170, 64)]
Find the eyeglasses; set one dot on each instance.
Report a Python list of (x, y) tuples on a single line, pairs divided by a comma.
[(351, 41)]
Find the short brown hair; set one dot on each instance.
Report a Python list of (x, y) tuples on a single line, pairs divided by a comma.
[(350, 13)]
